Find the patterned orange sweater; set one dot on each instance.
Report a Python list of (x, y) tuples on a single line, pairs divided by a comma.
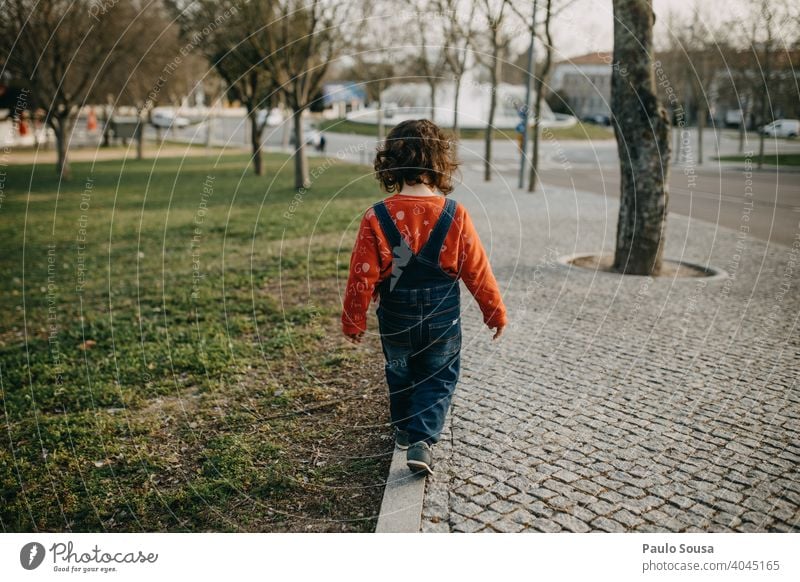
[(462, 255)]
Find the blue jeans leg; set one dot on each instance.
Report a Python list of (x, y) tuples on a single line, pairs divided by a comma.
[(435, 370), (400, 381)]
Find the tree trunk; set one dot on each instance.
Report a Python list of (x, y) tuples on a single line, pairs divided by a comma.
[(457, 80), (456, 132), (742, 126), (381, 129), (537, 107), (433, 100), (684, 149), (140, 140), (301, 179), (487, 161), (140, 127), (256, 132), (108, 113), (741, 135), (209, 130), (701, 123), (766, 83), (286, 129), (641, 127), (35, 129), (702, 106), (61, 127)]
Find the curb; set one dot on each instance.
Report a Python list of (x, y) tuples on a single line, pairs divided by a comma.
[(714, 273), (401, 508)]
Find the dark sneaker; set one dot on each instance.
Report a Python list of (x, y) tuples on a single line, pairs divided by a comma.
[(419, 458), (401, 439)]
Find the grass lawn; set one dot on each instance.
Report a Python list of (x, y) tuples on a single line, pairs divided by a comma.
[(772, 160), (578, 131), (170, 354)]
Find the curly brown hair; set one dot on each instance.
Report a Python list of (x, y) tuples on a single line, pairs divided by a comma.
[(416, 151)]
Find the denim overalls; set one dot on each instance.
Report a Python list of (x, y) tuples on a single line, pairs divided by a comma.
[(419, 319)]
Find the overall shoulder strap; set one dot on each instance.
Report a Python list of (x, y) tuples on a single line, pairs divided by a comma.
[(401, 252), (387, 224), (436, 239)]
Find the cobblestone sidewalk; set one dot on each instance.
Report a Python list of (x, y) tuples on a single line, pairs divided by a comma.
[(622, 404)]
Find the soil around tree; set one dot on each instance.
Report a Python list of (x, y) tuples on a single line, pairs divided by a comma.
[(669, 268)]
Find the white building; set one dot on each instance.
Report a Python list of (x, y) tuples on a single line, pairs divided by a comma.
[(404, 101), (584, 82)]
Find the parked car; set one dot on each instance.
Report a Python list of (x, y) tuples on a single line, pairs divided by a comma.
[(273, 117), (733, 117), (389, 109), (597, 119), (311, 135), (167, 119), (782, 128), (560, 120)]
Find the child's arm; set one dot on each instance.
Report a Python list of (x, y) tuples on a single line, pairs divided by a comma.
[(475, 271), (364, 275)]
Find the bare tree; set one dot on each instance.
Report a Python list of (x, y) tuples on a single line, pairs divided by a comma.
[(224, 27), (541, 77), (298, 41), (538, 95), (458, 32), (672, 61), (772, 24), (693, 60), (496, 41), (65, 52), (641, 127), (429, 58), (701, 43), (373, 63), (375, 72), (161, 71)]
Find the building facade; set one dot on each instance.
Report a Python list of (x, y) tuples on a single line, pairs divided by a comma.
[(584, 83)]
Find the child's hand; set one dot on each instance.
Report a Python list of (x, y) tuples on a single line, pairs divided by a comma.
[(354, 338), (498, 331)]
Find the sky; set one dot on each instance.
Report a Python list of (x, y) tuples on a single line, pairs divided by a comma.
[(587, 25)]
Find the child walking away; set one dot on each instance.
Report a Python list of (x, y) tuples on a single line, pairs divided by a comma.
[(411, 251)]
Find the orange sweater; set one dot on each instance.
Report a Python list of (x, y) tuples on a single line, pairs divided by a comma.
[(462, 255)]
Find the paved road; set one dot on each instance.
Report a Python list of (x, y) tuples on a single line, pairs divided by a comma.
[(622, 404), (718, 196), (714, 192)]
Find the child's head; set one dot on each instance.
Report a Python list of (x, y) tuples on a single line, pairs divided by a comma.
[(416, 151)]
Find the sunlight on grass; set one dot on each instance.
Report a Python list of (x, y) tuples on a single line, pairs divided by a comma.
[(143, 337)]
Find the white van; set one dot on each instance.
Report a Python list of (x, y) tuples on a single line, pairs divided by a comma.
[(782, 128), (167, 119), (734, 117)]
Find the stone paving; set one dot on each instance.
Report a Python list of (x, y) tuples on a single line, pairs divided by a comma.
[(622, 404)]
